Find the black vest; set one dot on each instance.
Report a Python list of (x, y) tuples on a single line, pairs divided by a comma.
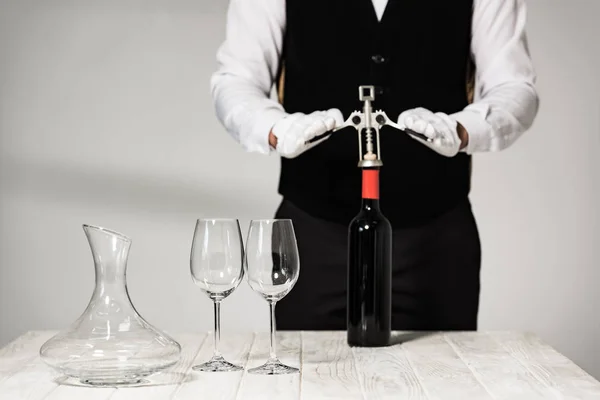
[(417, 56)]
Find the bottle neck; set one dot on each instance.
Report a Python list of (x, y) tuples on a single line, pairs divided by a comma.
[(370, 189)]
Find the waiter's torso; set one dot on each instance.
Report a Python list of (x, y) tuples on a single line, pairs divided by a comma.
[(418, 55)]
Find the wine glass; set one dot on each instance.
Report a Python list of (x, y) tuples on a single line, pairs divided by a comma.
[(272, 266), (216, 265)]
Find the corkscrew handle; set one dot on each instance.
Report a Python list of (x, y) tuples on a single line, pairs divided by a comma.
[(382, 119), (396, 126), (371, 123)]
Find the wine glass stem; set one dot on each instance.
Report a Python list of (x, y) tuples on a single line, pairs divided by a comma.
[(273, 356), (217, 327)]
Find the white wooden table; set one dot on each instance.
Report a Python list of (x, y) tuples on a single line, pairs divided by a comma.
[(475, 365)]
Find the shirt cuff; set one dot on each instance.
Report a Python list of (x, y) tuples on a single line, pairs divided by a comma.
[(262, 126), (478, 129)]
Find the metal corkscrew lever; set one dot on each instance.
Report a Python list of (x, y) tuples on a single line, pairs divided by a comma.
[(369, 122)]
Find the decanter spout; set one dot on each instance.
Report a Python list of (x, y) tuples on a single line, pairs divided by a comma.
[(110, 250)]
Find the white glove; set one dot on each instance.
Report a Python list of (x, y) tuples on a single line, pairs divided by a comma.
[(439, 127), (295, 130)]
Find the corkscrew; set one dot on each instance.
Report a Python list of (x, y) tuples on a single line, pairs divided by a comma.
[(370, 122)]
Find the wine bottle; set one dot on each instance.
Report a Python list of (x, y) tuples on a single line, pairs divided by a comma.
[(369, 270)]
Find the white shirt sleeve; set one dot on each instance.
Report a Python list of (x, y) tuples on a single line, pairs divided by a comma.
[(505, 100), (248, 64)]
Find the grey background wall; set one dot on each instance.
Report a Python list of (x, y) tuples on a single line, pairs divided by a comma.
[(106, 119)]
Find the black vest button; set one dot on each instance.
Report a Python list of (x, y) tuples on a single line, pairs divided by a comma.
[(380, 90), (378, 59)]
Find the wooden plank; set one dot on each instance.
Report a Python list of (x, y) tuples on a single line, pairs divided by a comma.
[(33, 381), (457, 365), (23, 375), (501, 373), (386, 373), (550, 366), (76, 391), (280, 387), (220, 385), (328, 367), (440, 370), (21, 351)]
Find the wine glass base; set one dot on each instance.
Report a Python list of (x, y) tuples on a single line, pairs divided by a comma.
[(273, 367), (217, 364)]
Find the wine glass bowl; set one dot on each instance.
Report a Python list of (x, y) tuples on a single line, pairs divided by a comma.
[(220, 278), (273, 285), (272, 266)]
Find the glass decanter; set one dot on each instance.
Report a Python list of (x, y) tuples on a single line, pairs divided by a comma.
[(110, 343)]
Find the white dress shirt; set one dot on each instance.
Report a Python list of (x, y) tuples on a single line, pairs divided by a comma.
[(505, 101)]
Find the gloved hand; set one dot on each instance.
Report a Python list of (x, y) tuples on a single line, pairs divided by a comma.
[(439, 127), (293, 131)]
